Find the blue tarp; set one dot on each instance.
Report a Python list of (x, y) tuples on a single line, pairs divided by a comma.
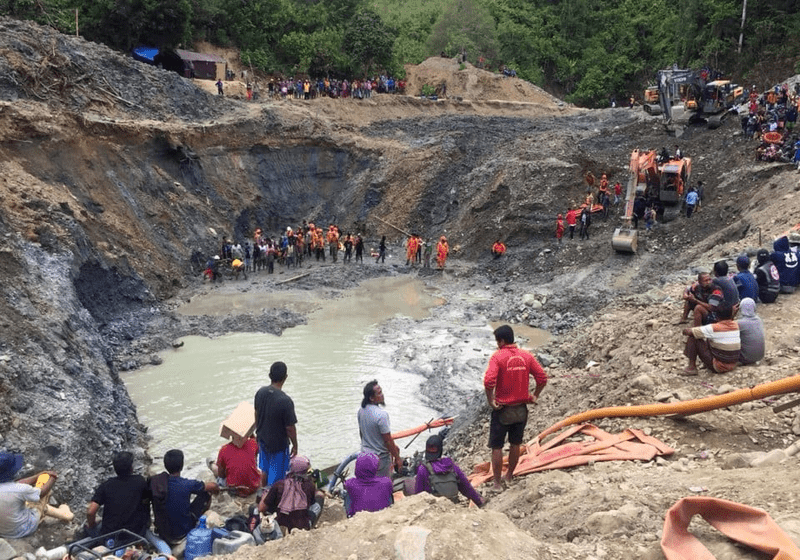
[(145, 54)]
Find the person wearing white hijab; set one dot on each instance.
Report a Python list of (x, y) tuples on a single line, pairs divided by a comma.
[(751, 332)]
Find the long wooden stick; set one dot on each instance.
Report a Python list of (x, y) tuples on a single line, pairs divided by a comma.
[(392, 225), (292, 278)]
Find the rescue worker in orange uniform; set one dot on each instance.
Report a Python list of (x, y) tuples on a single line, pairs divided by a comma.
[(411, 249), (442, 248), (333, 241), (559, 227)]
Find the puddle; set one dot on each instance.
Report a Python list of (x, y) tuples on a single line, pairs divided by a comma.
[(526, 336), (184, 400)]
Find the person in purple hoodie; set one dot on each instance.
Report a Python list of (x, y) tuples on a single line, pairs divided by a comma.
[(442, 465), (366, 491)]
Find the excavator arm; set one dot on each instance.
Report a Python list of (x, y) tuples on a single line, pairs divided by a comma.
[(669, 85)]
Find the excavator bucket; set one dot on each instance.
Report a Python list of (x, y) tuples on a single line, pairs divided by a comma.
[(625, 240)]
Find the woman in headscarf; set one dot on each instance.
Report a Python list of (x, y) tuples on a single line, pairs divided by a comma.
[(367, 492), (441, 252), (295, 498), (751, 333)]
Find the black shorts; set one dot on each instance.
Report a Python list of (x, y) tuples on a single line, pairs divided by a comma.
[(498, 431)]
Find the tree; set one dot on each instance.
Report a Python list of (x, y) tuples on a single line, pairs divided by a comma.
[(368, 42), (465, 26)]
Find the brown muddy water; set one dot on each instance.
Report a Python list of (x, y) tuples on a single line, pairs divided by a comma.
[(184, 400)]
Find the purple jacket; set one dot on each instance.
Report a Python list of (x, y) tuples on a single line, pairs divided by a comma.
[(440, 466), (368, 492)]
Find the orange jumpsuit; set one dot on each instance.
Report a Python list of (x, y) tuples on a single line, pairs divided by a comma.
[(411, 249), (441, 252)]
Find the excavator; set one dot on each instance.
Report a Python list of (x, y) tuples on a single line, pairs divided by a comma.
[(703, 101), (653, 181)]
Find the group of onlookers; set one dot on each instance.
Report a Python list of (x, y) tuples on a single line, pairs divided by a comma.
[(717, 337), (771, 118), (326, 87)]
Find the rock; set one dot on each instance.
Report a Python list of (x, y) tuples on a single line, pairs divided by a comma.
[(546, 360), (177, 343), (7, 552), (683, 395), (528, 299), (663, 396), (772, 458), (725, 388), (410, 543), (644, 382), (156, 360)]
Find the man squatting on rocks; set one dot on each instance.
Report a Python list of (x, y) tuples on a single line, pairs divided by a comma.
[(507, 385), (174, 510), (275, 427), (373, 427)]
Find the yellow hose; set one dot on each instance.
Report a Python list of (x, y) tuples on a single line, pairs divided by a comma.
[(785, 385)]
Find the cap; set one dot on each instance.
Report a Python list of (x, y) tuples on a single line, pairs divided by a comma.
[(794, 236), (10, 464), (742, 261), (433, 448)]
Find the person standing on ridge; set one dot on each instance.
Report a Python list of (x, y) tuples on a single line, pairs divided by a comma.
[(507, 386), (275, 427)]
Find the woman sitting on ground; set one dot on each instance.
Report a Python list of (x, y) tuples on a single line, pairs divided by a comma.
[(295, 498), (365, 491)]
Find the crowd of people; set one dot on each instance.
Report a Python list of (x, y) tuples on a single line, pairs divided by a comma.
[(292, 247), (267, 466), (770, 119), (308, 88), (717, 338)]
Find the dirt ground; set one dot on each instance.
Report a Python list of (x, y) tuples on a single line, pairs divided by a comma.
[(111, 188)]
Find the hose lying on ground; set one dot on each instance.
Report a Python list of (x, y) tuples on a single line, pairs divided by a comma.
[(785, 385)]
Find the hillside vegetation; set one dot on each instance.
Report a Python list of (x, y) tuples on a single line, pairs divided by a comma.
[(583, 50)]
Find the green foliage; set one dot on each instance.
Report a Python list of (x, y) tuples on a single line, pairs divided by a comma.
[(464, 26), (583, 50), (369, 42), (428, 90)]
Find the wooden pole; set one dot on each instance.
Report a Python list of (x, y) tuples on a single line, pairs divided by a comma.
[(292, 278), (393, 226)]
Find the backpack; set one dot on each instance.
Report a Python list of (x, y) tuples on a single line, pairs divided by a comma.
[(444, 484)]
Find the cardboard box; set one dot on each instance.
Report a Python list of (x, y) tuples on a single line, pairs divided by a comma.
[(241, 423)]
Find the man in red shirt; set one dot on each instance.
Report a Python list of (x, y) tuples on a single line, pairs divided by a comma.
[(572, 221), (236, 464), (507, 385)]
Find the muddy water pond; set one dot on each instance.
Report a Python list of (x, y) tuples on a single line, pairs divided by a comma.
[(184, 400)]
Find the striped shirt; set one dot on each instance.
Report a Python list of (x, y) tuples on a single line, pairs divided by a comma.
[(724, 342)]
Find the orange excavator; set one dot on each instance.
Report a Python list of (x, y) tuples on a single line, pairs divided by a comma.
[(664, 183)]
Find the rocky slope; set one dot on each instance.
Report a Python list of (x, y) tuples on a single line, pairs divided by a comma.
[(119, 178)]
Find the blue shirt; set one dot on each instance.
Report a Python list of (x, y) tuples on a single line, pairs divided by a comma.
[(179, 495), (747, 285), (691, 198)]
